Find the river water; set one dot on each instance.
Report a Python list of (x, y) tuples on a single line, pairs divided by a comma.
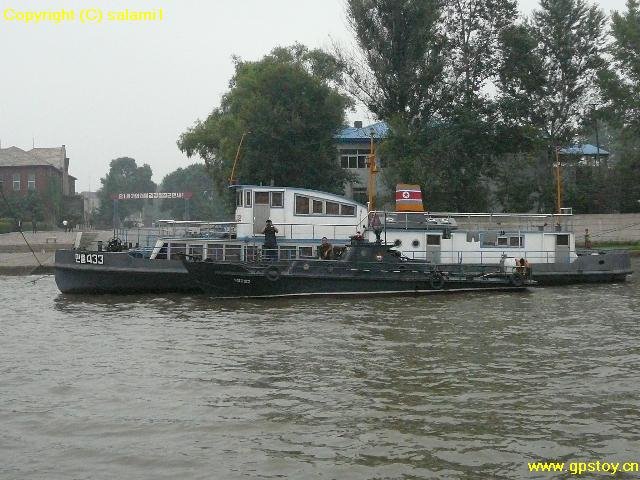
[(459, 386)]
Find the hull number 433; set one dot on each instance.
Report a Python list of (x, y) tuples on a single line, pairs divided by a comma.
[(91, 258)]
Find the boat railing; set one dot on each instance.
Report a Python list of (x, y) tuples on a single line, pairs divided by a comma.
[(254, 251)]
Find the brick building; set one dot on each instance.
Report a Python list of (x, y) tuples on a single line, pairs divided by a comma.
[(41, 171)]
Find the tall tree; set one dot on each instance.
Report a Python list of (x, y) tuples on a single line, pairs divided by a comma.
[(400, 70), (474, 29), (428, 63), (620, 82), (205, 203), (124, 176), (547, 77), (288, 106)]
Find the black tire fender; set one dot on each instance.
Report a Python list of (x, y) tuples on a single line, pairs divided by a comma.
[(436, 281), (272, 273), (516, 279)]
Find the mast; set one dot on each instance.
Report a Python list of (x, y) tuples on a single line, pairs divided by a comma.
[(558, 181), (232, 180), (373, 171)]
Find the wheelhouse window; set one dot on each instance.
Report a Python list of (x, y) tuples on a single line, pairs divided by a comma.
[(232, 252), (516, 241), (315, 206), (302, 205), (562, 240), (277, 199), (333, 208), (433, 240), (261, 198), (195, 251), (503, 241), (305, 252), (247, 198), (178, 250), (239, 198), (31, 181), (214, 251), (347, 210), (16, 182)]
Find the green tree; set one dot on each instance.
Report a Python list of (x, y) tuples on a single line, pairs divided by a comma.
[(399, 74), (205, 203), (547, 77), (124, 177), (620, 82), (428, 64), (289, 106)]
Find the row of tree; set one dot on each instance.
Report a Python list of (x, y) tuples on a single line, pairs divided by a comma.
[(478, 99), (125, 176)]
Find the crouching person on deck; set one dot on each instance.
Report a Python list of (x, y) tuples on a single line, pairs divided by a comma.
[(325, 250)]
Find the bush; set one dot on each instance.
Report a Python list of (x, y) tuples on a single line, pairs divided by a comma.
[(6, 225)]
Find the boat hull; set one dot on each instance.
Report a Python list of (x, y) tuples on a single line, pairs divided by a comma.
[(590, 267), (118, 273), (236, 280)]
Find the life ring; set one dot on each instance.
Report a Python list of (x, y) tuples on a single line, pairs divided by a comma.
[(436, 281), (272, 273), (516, 279)]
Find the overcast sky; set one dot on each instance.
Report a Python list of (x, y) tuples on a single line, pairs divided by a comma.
[(117, 89)]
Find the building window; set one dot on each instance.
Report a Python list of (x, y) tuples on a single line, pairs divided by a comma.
[(277, 199), (16, 182), (353, 158), (31, 181), (562, 240)]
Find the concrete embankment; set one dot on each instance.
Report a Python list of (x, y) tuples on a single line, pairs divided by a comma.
[(16, 257)]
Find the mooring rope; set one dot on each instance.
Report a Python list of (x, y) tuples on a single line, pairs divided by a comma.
[(15, 218)]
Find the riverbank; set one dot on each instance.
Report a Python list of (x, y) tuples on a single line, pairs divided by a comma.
[(16, 257)]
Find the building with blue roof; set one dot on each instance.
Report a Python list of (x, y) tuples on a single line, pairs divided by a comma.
[(354, 148)]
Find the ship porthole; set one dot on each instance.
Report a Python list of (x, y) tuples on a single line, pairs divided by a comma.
[(415, 244), (398, 242)]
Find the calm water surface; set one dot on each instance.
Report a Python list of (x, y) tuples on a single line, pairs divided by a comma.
[(448, 386)]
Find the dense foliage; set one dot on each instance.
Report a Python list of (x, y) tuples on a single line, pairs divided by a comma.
[(288, 108), (124, 176), (479, 99), (205, 204)]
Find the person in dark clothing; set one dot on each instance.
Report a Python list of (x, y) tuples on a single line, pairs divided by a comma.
[(34, 225), (270, 241), (325, 250)]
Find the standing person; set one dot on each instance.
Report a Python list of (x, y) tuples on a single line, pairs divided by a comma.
[(20, 225), (587, 239), (65, 224), (34, 225), (270, 241)]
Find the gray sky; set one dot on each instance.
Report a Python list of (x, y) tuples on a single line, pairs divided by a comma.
[(114, 89)]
